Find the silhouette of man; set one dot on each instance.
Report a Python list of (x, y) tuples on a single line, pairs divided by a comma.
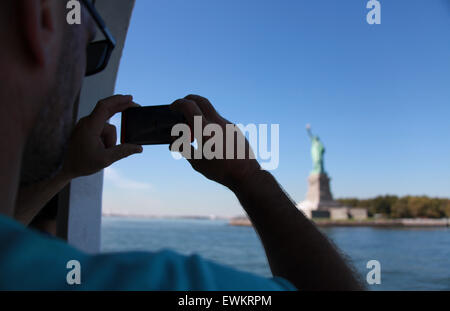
[(42, 64)]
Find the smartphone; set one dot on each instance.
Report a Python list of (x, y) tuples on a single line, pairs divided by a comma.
[(151, 125)]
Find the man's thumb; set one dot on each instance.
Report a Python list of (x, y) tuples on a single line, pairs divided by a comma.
[(120, 152)]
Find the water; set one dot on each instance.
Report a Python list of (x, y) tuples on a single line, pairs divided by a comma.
[(411, 259)]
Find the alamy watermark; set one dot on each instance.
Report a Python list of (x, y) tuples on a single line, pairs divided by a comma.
[(374, 275), (73, 277), (229, 143), (74, 15), (374, 15)]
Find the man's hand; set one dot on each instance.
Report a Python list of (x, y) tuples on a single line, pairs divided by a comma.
[(93, 143), (91, 149), (228, 172), (295, 248)]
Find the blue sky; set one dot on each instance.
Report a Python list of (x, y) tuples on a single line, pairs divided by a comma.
[(377, 95)]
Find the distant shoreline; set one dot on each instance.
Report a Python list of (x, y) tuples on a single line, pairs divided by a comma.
[(406, 223), (245, 222), (212, 217)]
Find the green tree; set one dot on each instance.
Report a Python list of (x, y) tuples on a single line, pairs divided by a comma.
[(404, 207)]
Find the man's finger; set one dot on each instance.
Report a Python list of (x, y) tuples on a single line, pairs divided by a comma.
[(120, 152), (187, 154), (109, 135), (205, 106), (108, 107), (188, 108)]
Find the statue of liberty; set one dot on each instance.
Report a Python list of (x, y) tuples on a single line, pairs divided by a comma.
[(319, 199), (317, 152)]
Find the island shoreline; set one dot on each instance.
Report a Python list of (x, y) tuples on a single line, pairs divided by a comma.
[(396, 223)]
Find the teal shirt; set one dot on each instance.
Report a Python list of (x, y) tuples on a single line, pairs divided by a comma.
[(33, 261)]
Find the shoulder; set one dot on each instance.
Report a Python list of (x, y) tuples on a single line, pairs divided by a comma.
[(29, 260), (168, 270)]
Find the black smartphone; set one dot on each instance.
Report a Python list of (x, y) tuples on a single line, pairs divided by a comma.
[(151, 125)]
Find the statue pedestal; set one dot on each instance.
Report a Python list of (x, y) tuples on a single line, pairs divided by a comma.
[(319, 199), (319, 192)]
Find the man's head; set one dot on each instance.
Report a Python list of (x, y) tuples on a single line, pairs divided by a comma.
[(44, 63)]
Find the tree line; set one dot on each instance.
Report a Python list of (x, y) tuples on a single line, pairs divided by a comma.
[(392, 206)]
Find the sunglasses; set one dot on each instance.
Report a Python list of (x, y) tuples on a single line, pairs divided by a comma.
[(98, 52)]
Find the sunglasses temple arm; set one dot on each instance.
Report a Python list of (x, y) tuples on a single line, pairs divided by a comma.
[(98, 19)]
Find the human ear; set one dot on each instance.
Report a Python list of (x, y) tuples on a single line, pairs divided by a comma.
[(38, 18)]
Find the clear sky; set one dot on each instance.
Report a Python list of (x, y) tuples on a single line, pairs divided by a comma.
[(377, 95)]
